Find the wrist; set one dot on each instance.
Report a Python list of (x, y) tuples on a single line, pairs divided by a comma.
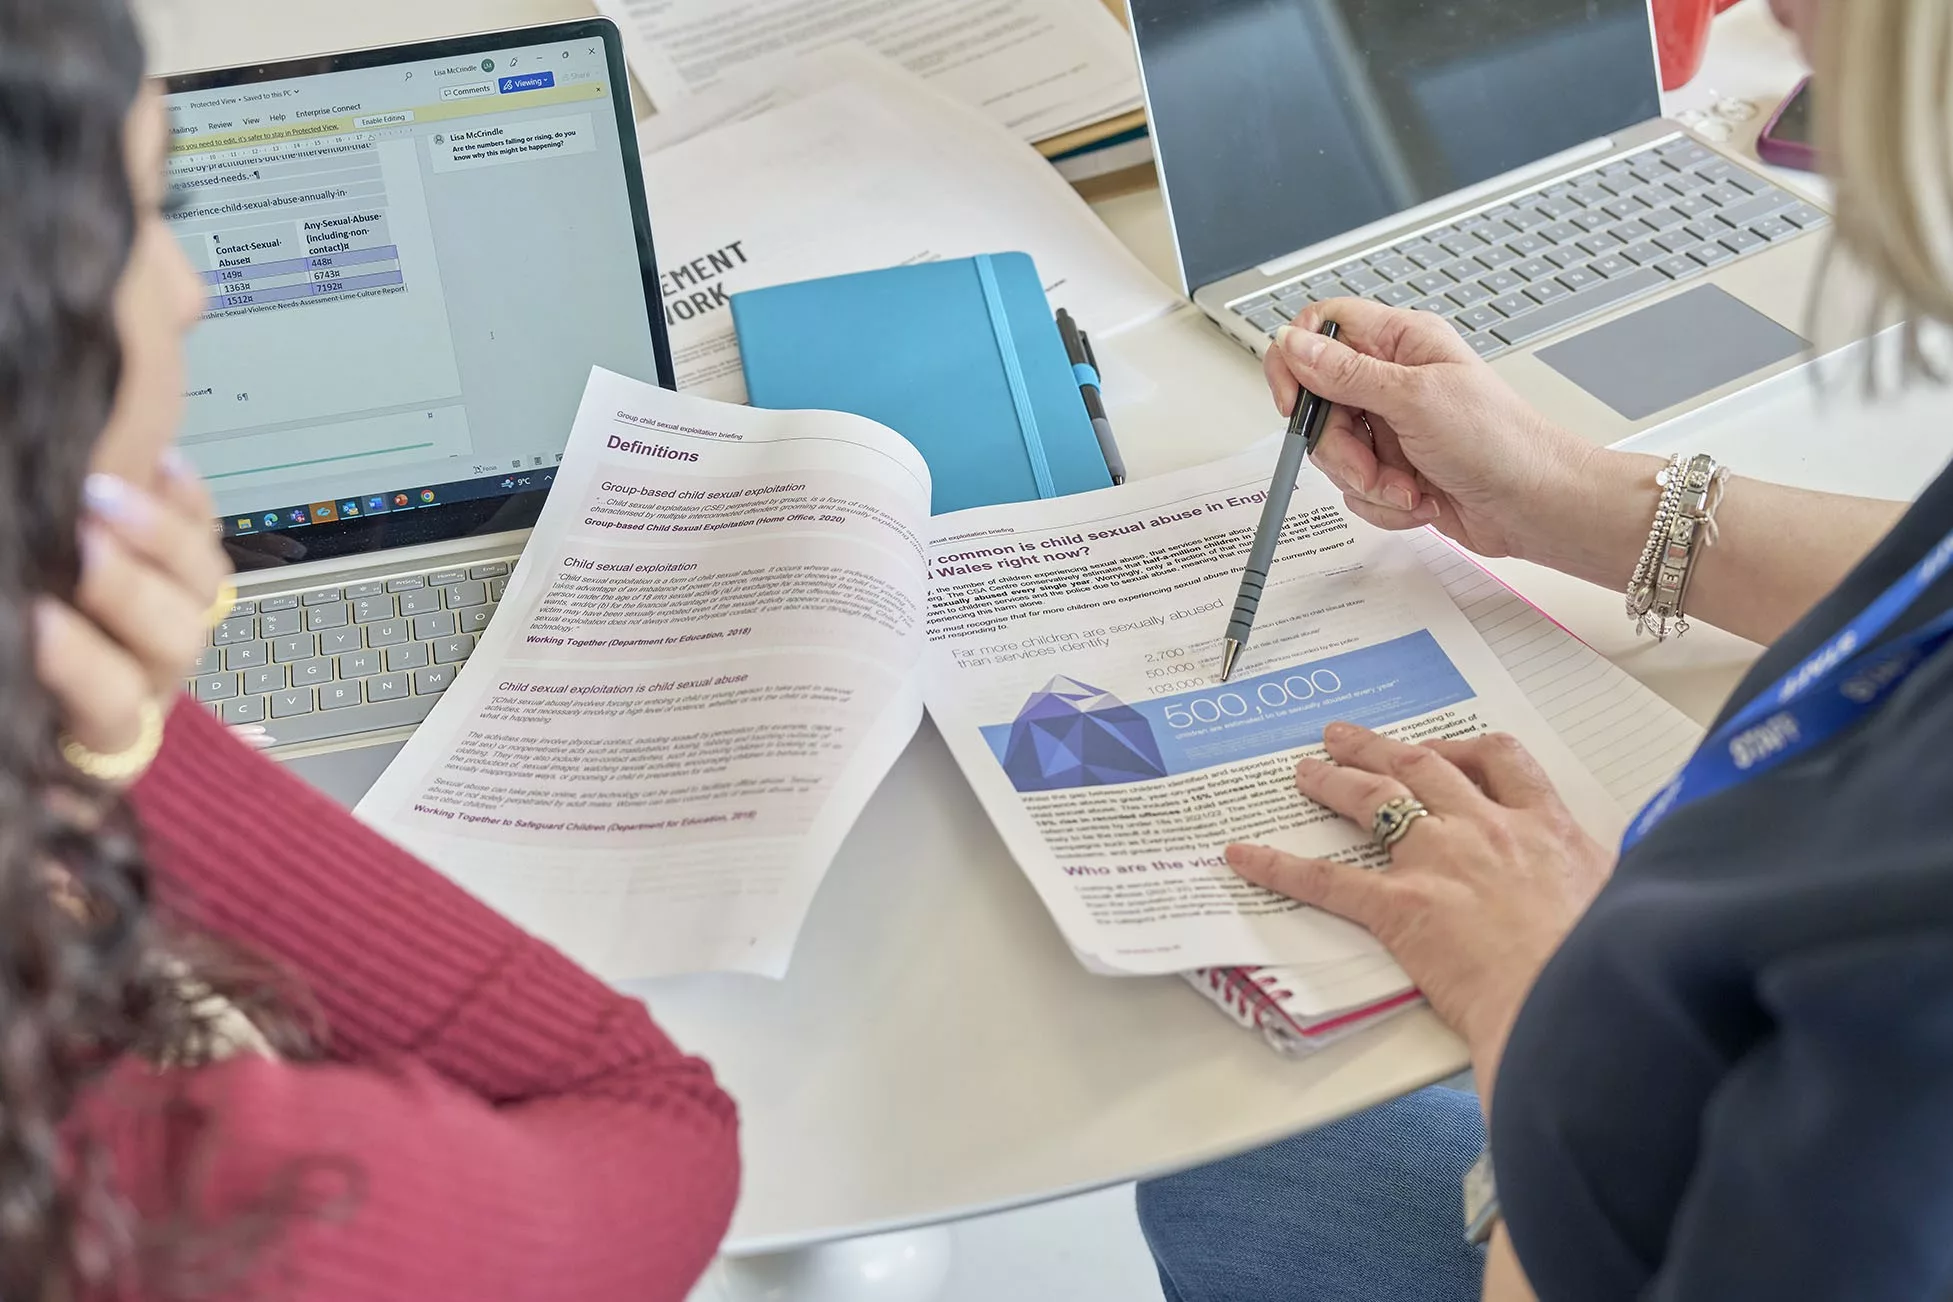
[(1486, 1051), (1592, 511), (1486, 1028)]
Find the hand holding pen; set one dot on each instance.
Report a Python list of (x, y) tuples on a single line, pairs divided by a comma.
[(1305, 426)]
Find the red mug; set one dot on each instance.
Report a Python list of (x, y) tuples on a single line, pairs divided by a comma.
[(1682, 37)]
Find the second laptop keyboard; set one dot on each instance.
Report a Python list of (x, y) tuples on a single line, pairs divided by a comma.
[(1514, 273), (339, 661)]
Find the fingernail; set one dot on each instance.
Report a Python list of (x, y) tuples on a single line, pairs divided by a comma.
[(1343, 474), (93, 547), (177, 466), (1304, 346), (115, 499), (1400, 497), (1245, 856), (1427, 511), (1281, 335), (1338, 732)]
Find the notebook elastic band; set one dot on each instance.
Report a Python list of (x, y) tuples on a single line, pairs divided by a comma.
[(1086, 373), (1020, 392)]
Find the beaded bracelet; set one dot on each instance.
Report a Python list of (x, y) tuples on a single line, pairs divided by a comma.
[(1641, 588), (1684, 527), (124, 766)]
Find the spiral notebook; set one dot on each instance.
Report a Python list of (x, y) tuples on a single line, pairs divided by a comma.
[(1630, 738)]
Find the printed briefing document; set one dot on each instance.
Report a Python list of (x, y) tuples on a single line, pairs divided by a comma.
[(1073, 650), (1035, 67), (727, 621), (701, 669)]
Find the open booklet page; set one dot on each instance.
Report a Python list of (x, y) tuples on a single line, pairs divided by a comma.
[(702, 668), (1073, 649)]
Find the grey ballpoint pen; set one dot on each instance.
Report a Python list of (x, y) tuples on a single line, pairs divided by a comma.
[(1101, 425), (1305, 426)]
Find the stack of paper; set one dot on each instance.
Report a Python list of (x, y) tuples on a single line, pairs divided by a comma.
[(846, 163), (727, 623), (1039, 68)]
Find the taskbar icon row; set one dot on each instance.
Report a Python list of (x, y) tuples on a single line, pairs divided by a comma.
[(349, 508), (533, 479)]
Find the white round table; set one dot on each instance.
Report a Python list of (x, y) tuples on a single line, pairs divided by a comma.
[(936, 1051)]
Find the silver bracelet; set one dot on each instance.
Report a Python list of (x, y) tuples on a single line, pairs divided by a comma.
[(1641, 588), (1684, 527)]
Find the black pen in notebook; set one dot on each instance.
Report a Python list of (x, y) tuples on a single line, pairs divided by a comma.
[(1085, 366)]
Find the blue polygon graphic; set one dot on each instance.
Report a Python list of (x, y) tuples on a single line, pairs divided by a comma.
[(1072, 734), (1270, 713)]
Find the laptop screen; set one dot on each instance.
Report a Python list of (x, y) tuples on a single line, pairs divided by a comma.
[(1282, 123), (413, 258)]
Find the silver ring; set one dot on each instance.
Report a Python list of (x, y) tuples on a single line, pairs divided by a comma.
[(1394, 818)]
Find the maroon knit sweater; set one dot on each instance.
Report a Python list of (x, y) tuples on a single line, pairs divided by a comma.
[(491, 1122)]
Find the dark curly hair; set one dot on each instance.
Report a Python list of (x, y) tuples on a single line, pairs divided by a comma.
[(88, 975)]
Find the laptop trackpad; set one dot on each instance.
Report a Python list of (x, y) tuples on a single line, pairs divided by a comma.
[(346, 774), (1676, 350)]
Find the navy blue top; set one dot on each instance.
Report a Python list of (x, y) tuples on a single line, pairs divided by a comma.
[(1734, 1082)]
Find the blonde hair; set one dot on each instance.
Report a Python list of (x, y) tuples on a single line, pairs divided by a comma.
[(1885, 105)]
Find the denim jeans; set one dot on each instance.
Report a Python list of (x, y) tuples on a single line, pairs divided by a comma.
[(1366, 1210)]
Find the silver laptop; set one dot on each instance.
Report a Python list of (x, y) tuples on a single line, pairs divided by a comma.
[(1502, 163), (414, 257)]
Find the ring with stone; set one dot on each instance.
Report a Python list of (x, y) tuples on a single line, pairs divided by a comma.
[(1394, 818)]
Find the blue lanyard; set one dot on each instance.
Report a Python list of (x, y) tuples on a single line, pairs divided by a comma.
[(1831, 690)]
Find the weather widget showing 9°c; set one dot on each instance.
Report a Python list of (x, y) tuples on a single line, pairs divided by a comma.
[(1071, 734)]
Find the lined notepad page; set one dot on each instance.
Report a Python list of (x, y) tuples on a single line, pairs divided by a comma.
[(1628, 737)]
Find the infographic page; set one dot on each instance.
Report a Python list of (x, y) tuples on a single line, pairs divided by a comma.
[(1074, 649)]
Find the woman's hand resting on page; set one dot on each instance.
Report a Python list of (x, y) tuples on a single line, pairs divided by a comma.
[(1478, 895)]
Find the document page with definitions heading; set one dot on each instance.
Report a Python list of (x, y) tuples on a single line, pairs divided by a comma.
[(703, 666)]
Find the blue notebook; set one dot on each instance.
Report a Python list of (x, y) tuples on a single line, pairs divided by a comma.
[(961, 358)]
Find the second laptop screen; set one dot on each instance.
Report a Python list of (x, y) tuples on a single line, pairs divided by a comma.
[(1282, 123)]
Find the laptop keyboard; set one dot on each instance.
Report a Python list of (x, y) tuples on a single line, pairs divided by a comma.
[(340, 661), (1591, 242)]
